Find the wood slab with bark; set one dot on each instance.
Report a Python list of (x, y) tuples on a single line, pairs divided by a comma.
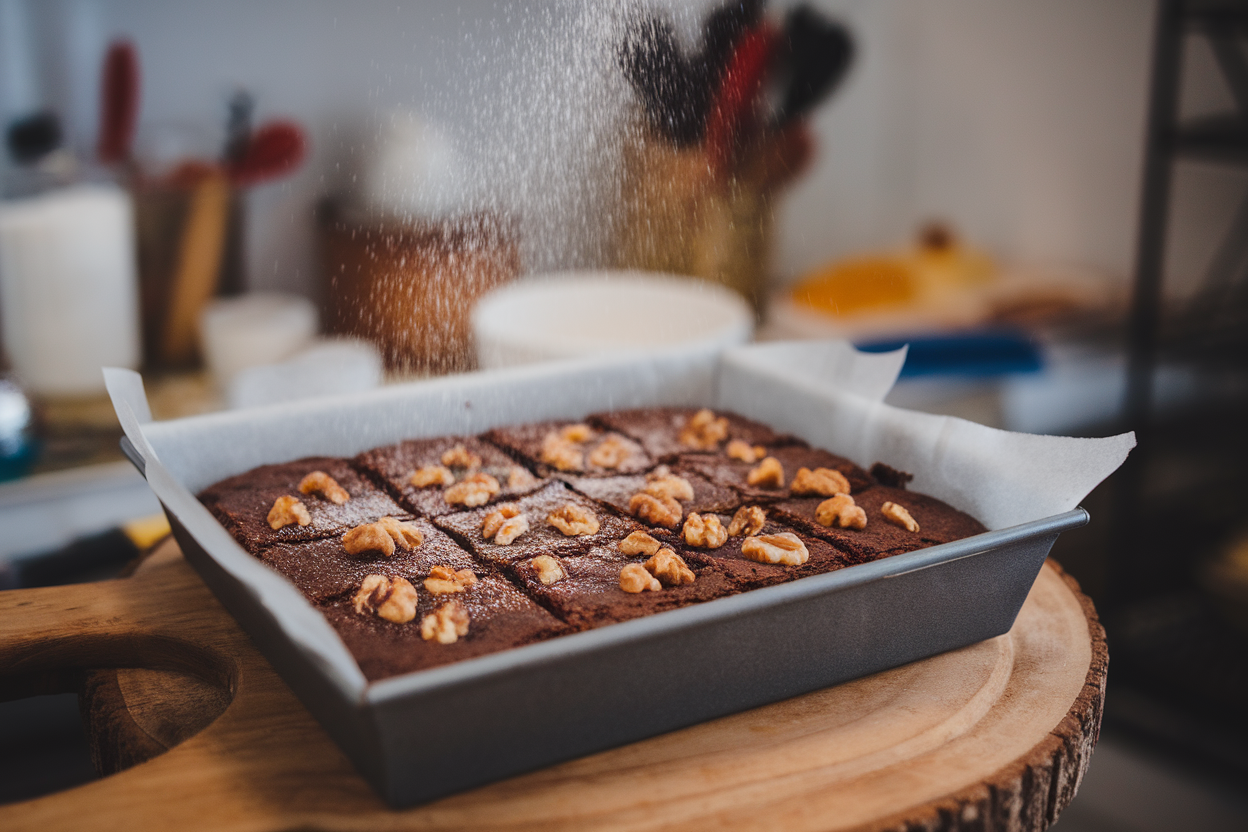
[(197, 732)]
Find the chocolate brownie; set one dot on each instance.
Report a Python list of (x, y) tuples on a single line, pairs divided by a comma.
[(322, 569), (659, 430), (499, 618), (589, 594), (598, 453), (734, 473), (938, 522), (542, 538), (745, 574), (395, 464), (242, 503), (508, 604), (618, 491)]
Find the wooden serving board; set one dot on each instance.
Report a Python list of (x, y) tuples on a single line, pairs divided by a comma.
[(992, 736)]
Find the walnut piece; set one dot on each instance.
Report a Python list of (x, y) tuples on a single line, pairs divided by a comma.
[(670, 568), (577, 433), (287, 510), (841, 511), (898, 516), (472, 491), (549, 570), (677, 488), (704, 531), (747, 521), (445, 625), (610, 453), (573, 520), (460, 457), (634, 578), (639, 543), (444, 580), (511, 529), (519, 479), (704, 431), (821, 482), (318, 482), (405, 535), (561, 454), (658, 511), (368, 538), (785, 548), (736, 449), (391, 599), (495, 519), (431, 475), (767, 474)]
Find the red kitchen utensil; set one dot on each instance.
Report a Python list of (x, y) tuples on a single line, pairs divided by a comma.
[(119, 102), (275, 149), (738, 92)]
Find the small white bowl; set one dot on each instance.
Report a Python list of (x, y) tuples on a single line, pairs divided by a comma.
[(591, 313)]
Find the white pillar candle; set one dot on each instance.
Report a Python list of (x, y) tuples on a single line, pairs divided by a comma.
[(68, 293)]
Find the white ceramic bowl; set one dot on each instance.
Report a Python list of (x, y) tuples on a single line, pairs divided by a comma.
[(576, 314)]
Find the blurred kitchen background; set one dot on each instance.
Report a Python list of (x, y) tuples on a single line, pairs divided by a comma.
[(257, 202)]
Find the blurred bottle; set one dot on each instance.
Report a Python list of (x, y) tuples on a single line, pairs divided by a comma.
[(68, 296)]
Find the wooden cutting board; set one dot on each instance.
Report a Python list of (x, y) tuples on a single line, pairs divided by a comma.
[(203, 735)]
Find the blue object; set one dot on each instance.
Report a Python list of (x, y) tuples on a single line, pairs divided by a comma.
[(975, 354)]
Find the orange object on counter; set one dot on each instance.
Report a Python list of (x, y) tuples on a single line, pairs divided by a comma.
[(938, 264)]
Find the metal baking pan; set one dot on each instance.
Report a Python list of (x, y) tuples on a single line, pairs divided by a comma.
[(430, 733)]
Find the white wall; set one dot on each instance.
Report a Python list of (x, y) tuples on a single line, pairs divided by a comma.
[(1018, 120)]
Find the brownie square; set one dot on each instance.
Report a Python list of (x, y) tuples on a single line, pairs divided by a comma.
[(541, 538), (733, 472), (525, 442), (395, 464), (499, 618), (618, 491), (322, 569), (938, 522), (242, 502), (590, 595), (745, 574), (658, 430)]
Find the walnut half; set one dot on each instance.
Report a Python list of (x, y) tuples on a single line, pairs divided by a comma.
[(705, 531), (748, 521), (821, 482), (704, 431), (548, 569), (472, 491), (431, 475), (368, 538), (639, 543), (391, 599), (767, 474), (288, 510), (504, 524), (446, 625), (898, 516), (318, 482), (573, 520), (669, 568), (737, 449), (658, 511), (610, 453), (634, 579), (841, 511), (444, 580), (785, 548), (678, 488)]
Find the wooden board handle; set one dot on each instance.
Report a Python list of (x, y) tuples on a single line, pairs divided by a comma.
[(130, 622)]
